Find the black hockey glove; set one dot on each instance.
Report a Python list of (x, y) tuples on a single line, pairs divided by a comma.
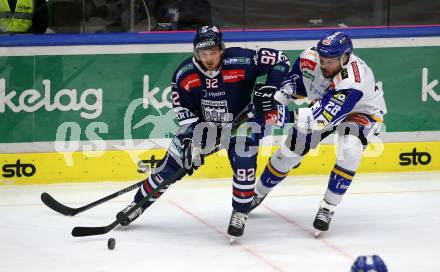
[(191, 159), (264, 98)]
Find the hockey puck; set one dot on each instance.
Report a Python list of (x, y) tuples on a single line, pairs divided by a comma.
[(111, 243)]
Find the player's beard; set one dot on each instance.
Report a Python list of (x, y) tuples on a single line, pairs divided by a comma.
[(327, 74)]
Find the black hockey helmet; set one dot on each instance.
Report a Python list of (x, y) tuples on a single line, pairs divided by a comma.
[(207, 37)]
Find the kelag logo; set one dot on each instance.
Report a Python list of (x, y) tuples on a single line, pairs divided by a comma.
[(18, 169), (414, 158), (145, 165)]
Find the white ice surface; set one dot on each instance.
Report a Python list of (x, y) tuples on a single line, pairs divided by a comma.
[(393, 215)]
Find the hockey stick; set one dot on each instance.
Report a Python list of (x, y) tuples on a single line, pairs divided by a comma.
[(52, 203), (63, 209), (89, 231)]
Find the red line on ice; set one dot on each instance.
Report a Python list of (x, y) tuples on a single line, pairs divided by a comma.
[(320, 239), (241, 246)]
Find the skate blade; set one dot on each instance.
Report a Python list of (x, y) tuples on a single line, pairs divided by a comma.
[(232, 239), (317, 233)]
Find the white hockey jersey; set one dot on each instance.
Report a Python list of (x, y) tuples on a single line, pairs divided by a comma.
[(352, 90)]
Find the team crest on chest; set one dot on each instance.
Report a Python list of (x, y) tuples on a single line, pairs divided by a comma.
[(216, 111)]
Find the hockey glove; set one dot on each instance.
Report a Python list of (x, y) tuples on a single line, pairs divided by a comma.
[(264, 98), (191, 157), (279, 116)]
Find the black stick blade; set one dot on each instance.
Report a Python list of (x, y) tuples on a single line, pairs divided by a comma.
[(57, 206), (90, 231)]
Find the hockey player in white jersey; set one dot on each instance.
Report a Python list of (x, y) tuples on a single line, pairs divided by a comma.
[(344, 98)]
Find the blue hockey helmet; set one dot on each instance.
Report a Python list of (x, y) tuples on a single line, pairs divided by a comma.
[(371, 263), (207, 37), (334, 44)]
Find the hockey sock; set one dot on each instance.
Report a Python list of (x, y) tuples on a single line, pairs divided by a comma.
[(339, 181), (147, 187), (242, 196), (269, 179), (243, 189)]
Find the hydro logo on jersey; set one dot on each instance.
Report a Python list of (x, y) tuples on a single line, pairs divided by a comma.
[(208, 94)]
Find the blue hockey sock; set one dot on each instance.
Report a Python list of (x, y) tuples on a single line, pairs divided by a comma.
[(339, 181), (269, 179)]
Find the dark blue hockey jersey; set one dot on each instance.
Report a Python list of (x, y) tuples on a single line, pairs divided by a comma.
[(224, 95)]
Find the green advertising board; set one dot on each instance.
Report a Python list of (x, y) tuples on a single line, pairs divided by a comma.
[(89, 96), (70, 113)]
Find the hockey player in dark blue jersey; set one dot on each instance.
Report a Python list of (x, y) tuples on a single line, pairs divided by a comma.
[(344, 99), (211, 94)]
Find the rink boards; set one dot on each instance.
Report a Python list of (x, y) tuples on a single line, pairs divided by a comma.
[(66, 109), (118, 165)]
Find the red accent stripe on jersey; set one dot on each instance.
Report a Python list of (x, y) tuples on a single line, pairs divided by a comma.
[(242, 194), (308, 64), (147, 186), (149, 189), (232, 76), (190, 81), (357, 75), (359, 119)]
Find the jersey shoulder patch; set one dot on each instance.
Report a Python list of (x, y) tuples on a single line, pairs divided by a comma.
[(349, 77), (339, 98), (237, 61), (185, 68), (190, 81), (237, 57), (356, 73), (309, 60)]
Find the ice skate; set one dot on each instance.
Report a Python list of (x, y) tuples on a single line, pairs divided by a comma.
[(236, 225), (256, 201), (323, 217), (131, 217)]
